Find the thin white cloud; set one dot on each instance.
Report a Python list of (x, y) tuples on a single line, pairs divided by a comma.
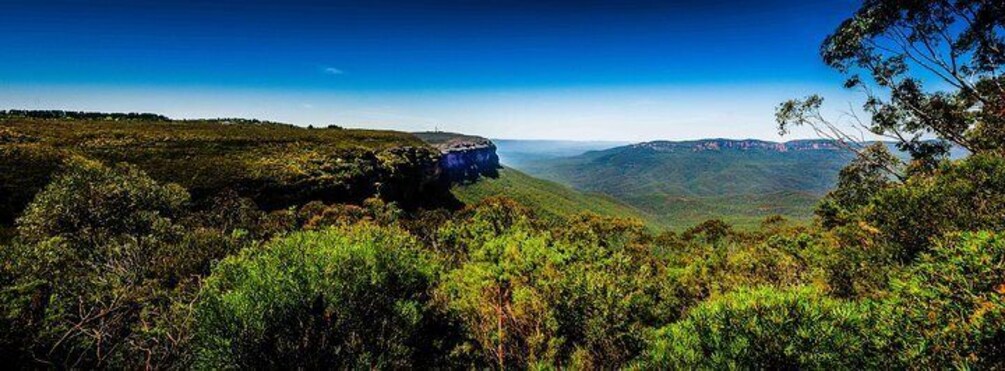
[(333, 71)]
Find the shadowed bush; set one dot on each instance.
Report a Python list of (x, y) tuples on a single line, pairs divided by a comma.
[(103, 270)]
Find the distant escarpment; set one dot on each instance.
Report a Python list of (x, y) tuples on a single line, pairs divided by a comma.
[(464, 158), (741, 144), (276, 165)]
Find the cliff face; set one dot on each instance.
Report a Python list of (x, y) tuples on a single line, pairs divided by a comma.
[(464, 158)]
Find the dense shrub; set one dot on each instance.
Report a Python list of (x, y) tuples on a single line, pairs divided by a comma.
[(768, 328), (345, 297), (228, 212), (12, 337), (966, 195), (503, 287), (476, 224), (316, 215), (93, 204), (952, 304), (855, 262), (700, 269), (99, 259), (580, 295), (611, 290), (858, 183)]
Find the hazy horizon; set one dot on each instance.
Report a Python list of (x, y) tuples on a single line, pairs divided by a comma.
[(625, 116)]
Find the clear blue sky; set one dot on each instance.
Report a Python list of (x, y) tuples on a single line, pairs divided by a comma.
[(526, 69)]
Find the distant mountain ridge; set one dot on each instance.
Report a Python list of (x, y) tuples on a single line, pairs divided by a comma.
[(682, 183), (718, 144)]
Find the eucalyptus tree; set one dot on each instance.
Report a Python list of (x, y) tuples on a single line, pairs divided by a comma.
[(929, 69)]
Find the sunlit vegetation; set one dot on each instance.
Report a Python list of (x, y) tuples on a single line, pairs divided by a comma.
[(122, 258), (110, 267), (344, 297), (276, 165)]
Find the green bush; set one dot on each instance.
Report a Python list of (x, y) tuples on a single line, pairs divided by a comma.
[(858, 182), (580, 295), (100, 271), (700, 269), (854, 262), (503, 292), (768, 328), (477, 224), (92, 204), (966, 195), (952, 304), (347, 297), (612, 288)]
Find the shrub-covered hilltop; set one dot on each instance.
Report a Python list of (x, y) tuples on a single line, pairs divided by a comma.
[(277, 165), (123, 260)]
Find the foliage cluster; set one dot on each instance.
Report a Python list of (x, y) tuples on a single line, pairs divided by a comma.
[(110, 268)]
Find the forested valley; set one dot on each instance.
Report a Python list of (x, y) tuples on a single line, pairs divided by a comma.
[(136, 241)]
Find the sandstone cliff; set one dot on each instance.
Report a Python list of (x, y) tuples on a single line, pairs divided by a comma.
[(464, 158)]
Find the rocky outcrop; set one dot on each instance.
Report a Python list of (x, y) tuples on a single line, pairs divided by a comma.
[(464, 158)]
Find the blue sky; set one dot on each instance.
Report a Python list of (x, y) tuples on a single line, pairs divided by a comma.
[(595, 69)]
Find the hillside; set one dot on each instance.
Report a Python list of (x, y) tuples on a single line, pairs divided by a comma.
[(545, 197), (682, 183), (275, 164)]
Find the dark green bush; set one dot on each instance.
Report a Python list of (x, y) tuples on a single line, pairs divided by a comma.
[(767, 328), (24, 170), (102, 272), (348, 297), (966, 195), (580, 295), (92, 204), (951, 304)]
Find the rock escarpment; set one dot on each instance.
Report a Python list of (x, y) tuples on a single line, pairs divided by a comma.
[(275, 165), (741, 144), (464, 158)]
